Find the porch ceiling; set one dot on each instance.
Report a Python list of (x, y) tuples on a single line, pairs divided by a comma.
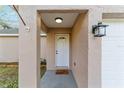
[(68, 19)]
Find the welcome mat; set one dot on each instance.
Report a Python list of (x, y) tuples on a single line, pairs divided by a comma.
[(62, 71)]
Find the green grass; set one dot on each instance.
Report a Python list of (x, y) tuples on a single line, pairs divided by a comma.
[(9, 76)]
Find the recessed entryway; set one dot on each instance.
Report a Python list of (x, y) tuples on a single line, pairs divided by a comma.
[(64, 31)]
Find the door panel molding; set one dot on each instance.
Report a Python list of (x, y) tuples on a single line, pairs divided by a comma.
[(62, 36)]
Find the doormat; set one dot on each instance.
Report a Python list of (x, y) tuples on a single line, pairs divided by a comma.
[(62, 71)]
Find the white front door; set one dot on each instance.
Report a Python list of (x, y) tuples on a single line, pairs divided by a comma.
[(62, 50)]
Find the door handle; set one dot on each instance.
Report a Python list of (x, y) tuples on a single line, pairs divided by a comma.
[(56, 52)]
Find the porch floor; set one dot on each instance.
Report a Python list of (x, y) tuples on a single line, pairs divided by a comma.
[(51, 80)]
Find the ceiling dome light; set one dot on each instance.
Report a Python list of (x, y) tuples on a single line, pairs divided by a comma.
[(58, 20)]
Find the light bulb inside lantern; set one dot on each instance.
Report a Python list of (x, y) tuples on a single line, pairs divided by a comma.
[(58, 20)]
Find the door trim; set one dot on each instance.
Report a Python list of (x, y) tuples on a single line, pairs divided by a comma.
[(68, 50)]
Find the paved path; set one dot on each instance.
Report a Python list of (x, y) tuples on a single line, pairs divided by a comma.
[(51, 80)]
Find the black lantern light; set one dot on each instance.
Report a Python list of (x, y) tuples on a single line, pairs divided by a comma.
[(99, 30)]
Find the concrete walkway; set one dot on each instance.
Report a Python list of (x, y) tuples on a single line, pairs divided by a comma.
[(51, 80)]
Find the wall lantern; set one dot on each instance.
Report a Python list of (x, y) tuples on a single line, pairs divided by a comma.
[(99, 30)]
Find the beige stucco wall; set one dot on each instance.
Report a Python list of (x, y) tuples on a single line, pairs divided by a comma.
[(80, 50), (29, 41), (43, 26), (9, 49), (43, 47), (94, 49), (51, 45), (29, 48)]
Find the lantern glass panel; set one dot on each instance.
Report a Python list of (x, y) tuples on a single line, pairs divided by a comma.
[(101, 30), (96, 31)]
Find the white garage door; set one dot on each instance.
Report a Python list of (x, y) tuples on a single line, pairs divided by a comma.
[(113, 55)]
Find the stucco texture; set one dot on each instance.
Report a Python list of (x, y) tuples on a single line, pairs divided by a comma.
[(9, 49)]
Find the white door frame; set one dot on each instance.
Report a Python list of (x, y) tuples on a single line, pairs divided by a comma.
[(68, 49)]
